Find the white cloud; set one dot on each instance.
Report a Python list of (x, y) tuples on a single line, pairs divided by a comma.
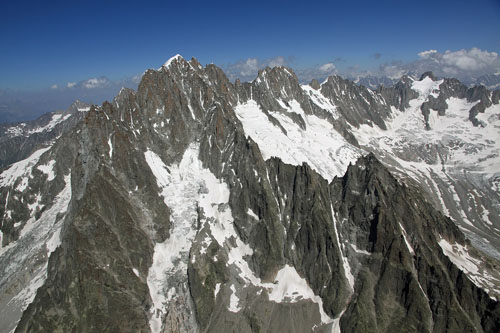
[(136, 79), (54, 86), (250, 66), (318, 72), (463, 64), (95, 83), (328, 67), (103, 82), (278, 61), (470, 60), (246, 70), (393, 70), (426, 54)]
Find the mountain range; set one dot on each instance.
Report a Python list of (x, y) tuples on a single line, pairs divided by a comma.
[(199, 204), (490, 81)]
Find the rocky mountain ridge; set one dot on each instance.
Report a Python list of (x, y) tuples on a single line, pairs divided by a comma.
[(20, 140), (489, 81), (197, 204)]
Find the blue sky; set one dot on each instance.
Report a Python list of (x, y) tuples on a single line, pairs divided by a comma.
[(52, 43)]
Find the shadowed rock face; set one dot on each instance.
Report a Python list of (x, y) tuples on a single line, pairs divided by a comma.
[(400, 94), (178, 223), (357, 104), (400, 287)]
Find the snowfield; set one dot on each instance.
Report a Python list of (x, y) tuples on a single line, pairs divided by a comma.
[(319, 145)]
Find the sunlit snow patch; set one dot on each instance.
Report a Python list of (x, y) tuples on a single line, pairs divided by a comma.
[(185, 187), (48, 169), (472, 267), (176, 57), (38, 236), (320, 100), (56, 119), (343, 257), (426, 87), (319, 145), (252, 214), (21, 169), (408, 245), (180, 187), (233, 301), (110, 144), (289, 287)]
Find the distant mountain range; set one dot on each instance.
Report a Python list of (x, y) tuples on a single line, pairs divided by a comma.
[(21, 106), (490, 81)]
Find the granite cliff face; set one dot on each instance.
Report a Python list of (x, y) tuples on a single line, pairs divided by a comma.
[(197, 204)]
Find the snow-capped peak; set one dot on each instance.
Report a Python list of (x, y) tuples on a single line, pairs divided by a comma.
[(177, 57), (426, 86)]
